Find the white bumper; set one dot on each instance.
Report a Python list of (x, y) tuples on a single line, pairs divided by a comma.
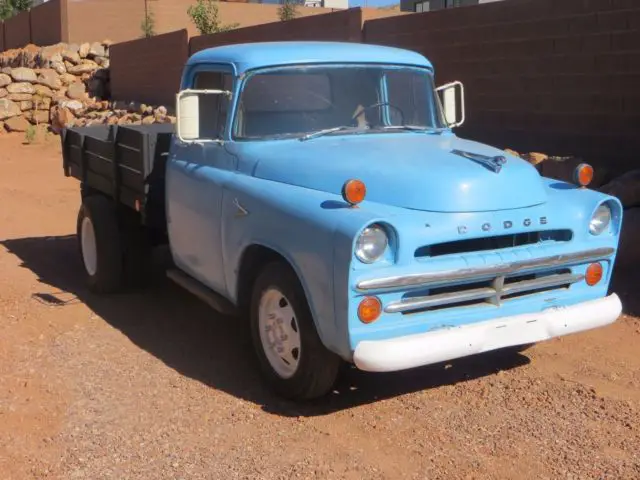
[(446, 344)]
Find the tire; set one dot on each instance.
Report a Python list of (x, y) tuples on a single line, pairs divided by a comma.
[(99, 244), (311, 370)]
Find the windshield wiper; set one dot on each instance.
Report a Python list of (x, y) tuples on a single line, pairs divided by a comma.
[(413, 128), (326, 131)]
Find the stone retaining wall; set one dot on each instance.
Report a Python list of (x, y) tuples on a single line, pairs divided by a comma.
[(64, 85)]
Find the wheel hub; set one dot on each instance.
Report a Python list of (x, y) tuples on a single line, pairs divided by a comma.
[(279, 333)]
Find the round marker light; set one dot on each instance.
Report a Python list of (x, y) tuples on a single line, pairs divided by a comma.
[(371, 244), (369, 309), (354, 191), (600, 220), (583, 174), (594, 274)]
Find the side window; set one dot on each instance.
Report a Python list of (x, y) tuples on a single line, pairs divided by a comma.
[(213, 108)]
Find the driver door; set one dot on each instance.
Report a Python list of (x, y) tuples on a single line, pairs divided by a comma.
[(196, 173)]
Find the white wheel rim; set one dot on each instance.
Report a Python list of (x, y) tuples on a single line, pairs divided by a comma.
[(88, 244), (279, 333)]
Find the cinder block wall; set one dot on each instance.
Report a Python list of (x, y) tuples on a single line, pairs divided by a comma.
[(558, 76)]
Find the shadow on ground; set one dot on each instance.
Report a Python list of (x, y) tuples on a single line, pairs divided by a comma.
[(197, 342)]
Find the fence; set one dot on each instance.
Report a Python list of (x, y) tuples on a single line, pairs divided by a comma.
[(149, 70), (339, 26), (120, 20), (17, 31), (556, 76), (157, 78), (550, 75), (47, 23)]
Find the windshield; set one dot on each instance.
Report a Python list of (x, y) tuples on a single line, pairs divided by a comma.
[(307, 101)]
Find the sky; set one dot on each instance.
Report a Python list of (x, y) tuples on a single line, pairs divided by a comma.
[(371, 3)]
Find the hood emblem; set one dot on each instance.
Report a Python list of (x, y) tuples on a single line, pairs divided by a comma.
[(492, 163)]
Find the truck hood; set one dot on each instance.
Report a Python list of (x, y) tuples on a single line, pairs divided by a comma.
[(411, 170)]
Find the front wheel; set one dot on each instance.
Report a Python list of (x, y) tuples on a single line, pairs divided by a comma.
[(291, 355)]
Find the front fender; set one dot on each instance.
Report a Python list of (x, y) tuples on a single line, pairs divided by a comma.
[(312, 230)]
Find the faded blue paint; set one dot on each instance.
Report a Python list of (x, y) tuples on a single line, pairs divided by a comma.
[(249, 56), (415, 185)]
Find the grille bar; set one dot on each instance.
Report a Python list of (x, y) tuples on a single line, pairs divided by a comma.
[(491, 294), (502, 269)]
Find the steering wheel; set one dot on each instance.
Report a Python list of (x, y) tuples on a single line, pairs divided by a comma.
[(378, 105)]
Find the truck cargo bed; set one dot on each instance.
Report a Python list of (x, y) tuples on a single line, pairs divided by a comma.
[(126, 163)]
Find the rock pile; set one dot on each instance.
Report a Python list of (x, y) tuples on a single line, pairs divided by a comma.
[(64, 85)]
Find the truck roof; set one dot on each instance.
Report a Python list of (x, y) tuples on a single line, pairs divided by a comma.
[(249, 56)]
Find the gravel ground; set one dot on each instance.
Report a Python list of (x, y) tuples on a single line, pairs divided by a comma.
[(155, 385)]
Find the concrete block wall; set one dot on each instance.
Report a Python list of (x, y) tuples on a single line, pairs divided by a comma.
[(558, 76)]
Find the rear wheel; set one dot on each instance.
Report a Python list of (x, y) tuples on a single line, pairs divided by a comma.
[(291, 355), (99, 243), (113, 245)]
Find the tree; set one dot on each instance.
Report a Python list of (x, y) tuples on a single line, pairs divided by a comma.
[(148, 25), (206, 17), (288, 10), (8, 8), (21, 5)]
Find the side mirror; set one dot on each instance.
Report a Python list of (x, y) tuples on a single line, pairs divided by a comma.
[(189, 122), (452, 95), (188, 116)]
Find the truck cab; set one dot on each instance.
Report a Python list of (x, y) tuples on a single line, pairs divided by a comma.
[(318, 191)]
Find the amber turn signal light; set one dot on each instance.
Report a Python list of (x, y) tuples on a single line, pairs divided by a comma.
[(583, 174), (354, 191), (369, 309), (594, 274)]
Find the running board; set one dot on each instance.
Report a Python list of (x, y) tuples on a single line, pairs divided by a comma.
[(215, 300)]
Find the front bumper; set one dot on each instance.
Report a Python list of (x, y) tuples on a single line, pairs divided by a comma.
[(446, 344)]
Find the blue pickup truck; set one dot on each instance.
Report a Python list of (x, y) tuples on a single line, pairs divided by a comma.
[(317, 191)]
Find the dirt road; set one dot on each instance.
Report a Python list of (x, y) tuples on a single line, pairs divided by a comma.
[(155, 385)]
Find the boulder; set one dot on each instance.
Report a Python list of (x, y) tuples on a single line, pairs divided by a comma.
[(101, 60), (4, 80), (83, 50), (96, 50), (71, 57), (626, 188), (43, 91), (535, 158), (8, 109), (85, 67), (72, 105), (26, 105), (22, 87), (60, 118), (68, 79), (49, 78), (59, 67), (161, 111), (38, 116), (77, 91), (3, 92), (17, 124), (23, 75), (19, 97)]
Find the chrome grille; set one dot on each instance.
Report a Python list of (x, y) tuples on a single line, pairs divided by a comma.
[(495, 292)]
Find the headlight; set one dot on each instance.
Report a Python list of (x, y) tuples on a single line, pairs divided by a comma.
[(600, 220), (371, 244)]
